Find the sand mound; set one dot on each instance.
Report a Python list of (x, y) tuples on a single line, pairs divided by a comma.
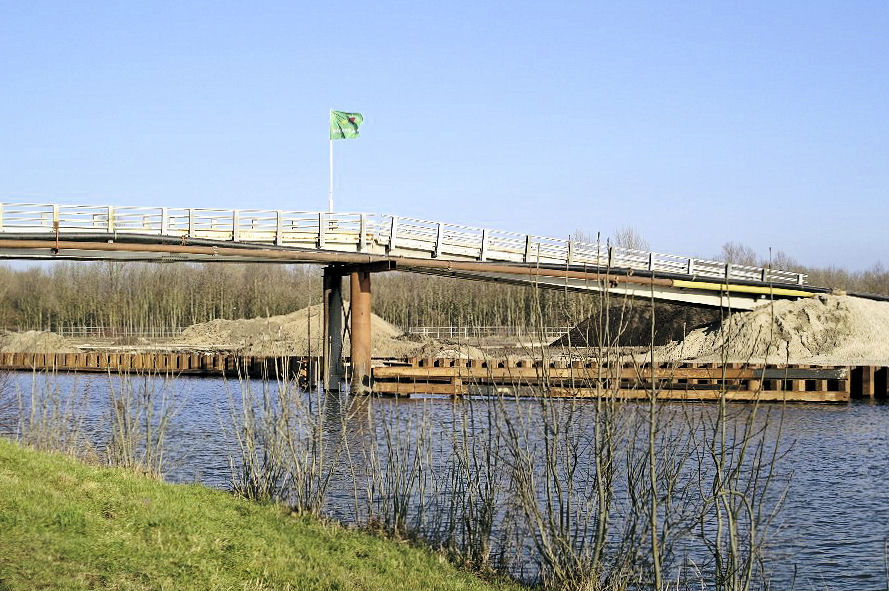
[(822, 330), (289, 334), (35, 341)]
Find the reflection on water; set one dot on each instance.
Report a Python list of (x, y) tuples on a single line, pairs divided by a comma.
[(830, 534)]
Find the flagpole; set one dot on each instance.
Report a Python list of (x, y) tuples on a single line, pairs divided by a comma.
[(330, 194)]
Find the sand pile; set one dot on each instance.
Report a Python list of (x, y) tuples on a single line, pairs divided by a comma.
[(821, 330), (35, 341), (289, 334)]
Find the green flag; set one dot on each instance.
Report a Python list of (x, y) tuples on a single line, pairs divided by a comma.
[(344, 126)]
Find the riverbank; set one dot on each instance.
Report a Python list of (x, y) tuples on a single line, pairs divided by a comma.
[(70, 525)]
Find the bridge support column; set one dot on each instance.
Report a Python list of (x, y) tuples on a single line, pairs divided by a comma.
[(333, 370), (361, 331), (868, 381)]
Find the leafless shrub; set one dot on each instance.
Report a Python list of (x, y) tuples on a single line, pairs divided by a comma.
[(51, 416), (400, 461), (474, 483), (141, 408), (289, 447), (8, 405)]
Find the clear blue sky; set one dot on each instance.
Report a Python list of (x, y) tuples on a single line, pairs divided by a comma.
[(695, 123)]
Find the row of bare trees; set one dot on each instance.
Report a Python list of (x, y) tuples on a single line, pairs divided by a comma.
[(874, 280), (139, 297), (142, 296)]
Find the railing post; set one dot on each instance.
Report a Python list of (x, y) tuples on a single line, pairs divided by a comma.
[(322, 222), (800, 279), (110, 219), (483, 256), (610, 256), (570, 258), (55, 214), (279, 228), (190, 222), (728, 271), (438, 241), (236, 218), (762, 275), (527, 247), (1, 217), (651, 261), (165, 221), (691, 266), (393, 232), (362, 229)]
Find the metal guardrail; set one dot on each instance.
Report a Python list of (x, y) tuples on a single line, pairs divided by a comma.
[(106, 332), (366, 233), (464, 332)]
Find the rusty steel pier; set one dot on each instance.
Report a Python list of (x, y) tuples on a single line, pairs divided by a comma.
[(522, 378), (676, 381)]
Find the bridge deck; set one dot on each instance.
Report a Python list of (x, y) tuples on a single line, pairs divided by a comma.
[(58, 231)]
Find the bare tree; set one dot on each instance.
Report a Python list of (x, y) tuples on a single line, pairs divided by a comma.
[(738, 254), (628, 237)]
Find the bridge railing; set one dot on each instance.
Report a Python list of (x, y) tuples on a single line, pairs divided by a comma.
[(363, 232)]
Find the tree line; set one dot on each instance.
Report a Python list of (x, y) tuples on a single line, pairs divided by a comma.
[(139, 297), (874, 281)]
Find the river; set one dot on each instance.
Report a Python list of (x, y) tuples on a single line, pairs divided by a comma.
[(830, 534)]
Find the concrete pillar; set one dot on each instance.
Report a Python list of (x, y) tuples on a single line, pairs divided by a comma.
[(361, 331), (333, 369)]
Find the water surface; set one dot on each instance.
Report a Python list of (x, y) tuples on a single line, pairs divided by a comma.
[(831, 533)]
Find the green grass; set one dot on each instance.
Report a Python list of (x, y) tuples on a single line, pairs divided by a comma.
[(69, 525)]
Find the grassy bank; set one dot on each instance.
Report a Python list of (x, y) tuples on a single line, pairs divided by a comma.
[(68, 525)]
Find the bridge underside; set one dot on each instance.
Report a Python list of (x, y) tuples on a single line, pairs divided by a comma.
[(711, 299)]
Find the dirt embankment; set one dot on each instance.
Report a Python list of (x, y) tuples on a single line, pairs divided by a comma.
[(824, 330), (628, 323), (35, 341), (300, 333)]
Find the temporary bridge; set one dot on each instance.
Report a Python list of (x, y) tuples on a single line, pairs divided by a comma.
[(359, 244)]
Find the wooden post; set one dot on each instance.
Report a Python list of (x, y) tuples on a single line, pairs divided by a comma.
[(881, 380), (332, 346), (867, 381), (361, 331)]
